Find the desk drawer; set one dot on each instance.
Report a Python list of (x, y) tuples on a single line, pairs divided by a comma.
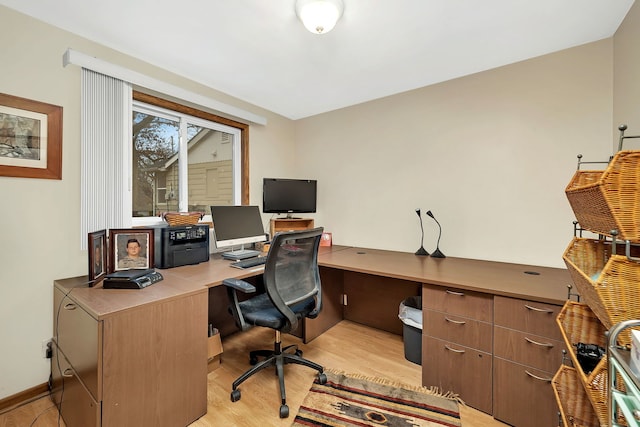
[(79, 339), (79, 408), (461, 330), (528, 316), (519, 389), (473, 305), (528, 349), (458, 369)]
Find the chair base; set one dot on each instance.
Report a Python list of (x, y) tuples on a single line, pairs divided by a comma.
[(277, 357)]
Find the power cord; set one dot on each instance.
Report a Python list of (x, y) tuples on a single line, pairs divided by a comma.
[(43, 412)]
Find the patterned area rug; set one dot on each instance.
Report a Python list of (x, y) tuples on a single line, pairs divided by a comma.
[(356, 401)]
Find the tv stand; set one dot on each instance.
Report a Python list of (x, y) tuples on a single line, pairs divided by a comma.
[(289, 224)]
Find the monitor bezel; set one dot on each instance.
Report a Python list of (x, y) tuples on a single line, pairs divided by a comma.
[(267, 208), (241, 241)]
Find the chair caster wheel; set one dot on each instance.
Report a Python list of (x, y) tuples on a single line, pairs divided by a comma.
[(284, 411), (322, 378), (235, 395), (299, 353), (253, 361)]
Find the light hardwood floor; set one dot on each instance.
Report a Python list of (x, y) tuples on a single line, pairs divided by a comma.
[(347, 346)]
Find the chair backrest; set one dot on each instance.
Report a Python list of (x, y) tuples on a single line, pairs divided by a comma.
[(291, 273)]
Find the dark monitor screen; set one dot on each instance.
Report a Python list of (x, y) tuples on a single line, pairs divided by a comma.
[(237, 225), (281, 195)]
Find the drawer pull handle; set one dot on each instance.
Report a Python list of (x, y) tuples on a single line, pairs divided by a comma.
[(548, 380), (541, 344), (542, 310), (457, 322), (68, 373), (70, 306), (453, 349), (460, 294)]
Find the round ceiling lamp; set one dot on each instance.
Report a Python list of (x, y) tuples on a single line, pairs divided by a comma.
[(319, 16)]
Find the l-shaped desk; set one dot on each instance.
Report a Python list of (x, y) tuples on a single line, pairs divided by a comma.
[(139, 357)]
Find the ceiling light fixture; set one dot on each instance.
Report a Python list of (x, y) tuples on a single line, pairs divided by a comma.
[(319, 16)]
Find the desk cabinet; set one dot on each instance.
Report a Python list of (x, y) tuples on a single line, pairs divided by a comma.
[(527, 352), (498, 353), (145, 365), (457, 343)]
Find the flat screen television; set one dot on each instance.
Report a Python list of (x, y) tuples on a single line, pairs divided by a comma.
[(236, 226), (289, 196)]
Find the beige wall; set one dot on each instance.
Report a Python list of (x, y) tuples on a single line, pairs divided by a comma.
[(626, 99), (40, 218), (490, 154)]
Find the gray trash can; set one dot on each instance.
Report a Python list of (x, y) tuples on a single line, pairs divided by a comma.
[(411, 316)]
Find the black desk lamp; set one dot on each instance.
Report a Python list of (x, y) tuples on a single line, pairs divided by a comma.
[(421, 251), (437, 253)]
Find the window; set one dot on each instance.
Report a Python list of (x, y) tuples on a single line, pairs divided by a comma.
[(106, 114), (184, 159)]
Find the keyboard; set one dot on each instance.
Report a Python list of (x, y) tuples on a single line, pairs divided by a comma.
[(250, 262)]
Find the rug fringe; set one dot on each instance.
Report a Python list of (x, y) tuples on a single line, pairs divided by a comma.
[(432, 390)]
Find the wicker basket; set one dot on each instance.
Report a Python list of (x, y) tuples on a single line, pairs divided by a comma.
[(609, 200), (609, 284), (575, 408), (182, 218), (579, 324)]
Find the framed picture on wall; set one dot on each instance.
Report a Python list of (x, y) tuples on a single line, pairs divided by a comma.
[(97, 249), (130, 248), (30, 138)]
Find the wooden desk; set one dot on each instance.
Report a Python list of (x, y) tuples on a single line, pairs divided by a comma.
[(374, 282), (497, 278), (140, 356), (489, 329)]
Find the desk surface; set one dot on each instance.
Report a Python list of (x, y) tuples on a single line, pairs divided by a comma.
[(178, 282), (549, 285), (498, 278)]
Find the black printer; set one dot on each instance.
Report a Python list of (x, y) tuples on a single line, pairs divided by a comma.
[(180, 245)]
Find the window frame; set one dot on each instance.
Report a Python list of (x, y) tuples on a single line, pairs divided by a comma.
[(198, 113)]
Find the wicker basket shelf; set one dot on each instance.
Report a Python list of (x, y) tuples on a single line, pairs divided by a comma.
[(575, 408), (578, 324), (608, 283), (609, 200)]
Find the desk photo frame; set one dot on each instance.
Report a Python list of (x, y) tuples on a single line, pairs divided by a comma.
[(123, 253), (97, 249)]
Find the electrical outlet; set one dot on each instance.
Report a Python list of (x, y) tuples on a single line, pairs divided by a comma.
[(46, 349)]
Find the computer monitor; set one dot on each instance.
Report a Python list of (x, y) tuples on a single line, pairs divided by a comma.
[(288, 196), (236, 226)]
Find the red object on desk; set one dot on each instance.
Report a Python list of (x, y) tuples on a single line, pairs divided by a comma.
[(325, 240)]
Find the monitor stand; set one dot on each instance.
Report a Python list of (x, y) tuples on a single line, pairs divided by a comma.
[(240, 254)]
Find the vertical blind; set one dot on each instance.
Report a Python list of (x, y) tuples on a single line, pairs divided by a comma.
[(105, 154)]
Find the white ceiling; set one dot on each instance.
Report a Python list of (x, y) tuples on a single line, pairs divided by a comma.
[(258, 50)]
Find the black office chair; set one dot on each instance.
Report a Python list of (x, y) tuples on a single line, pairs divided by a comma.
[(293, 292)]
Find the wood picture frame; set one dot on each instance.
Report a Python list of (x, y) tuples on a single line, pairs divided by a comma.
[(124, 257), (30, 138), (97, 248)]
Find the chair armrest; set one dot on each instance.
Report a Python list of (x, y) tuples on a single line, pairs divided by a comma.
[(234, 285), (239, 285)]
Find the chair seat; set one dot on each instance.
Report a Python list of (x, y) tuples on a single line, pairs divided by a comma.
[(260, 311)]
